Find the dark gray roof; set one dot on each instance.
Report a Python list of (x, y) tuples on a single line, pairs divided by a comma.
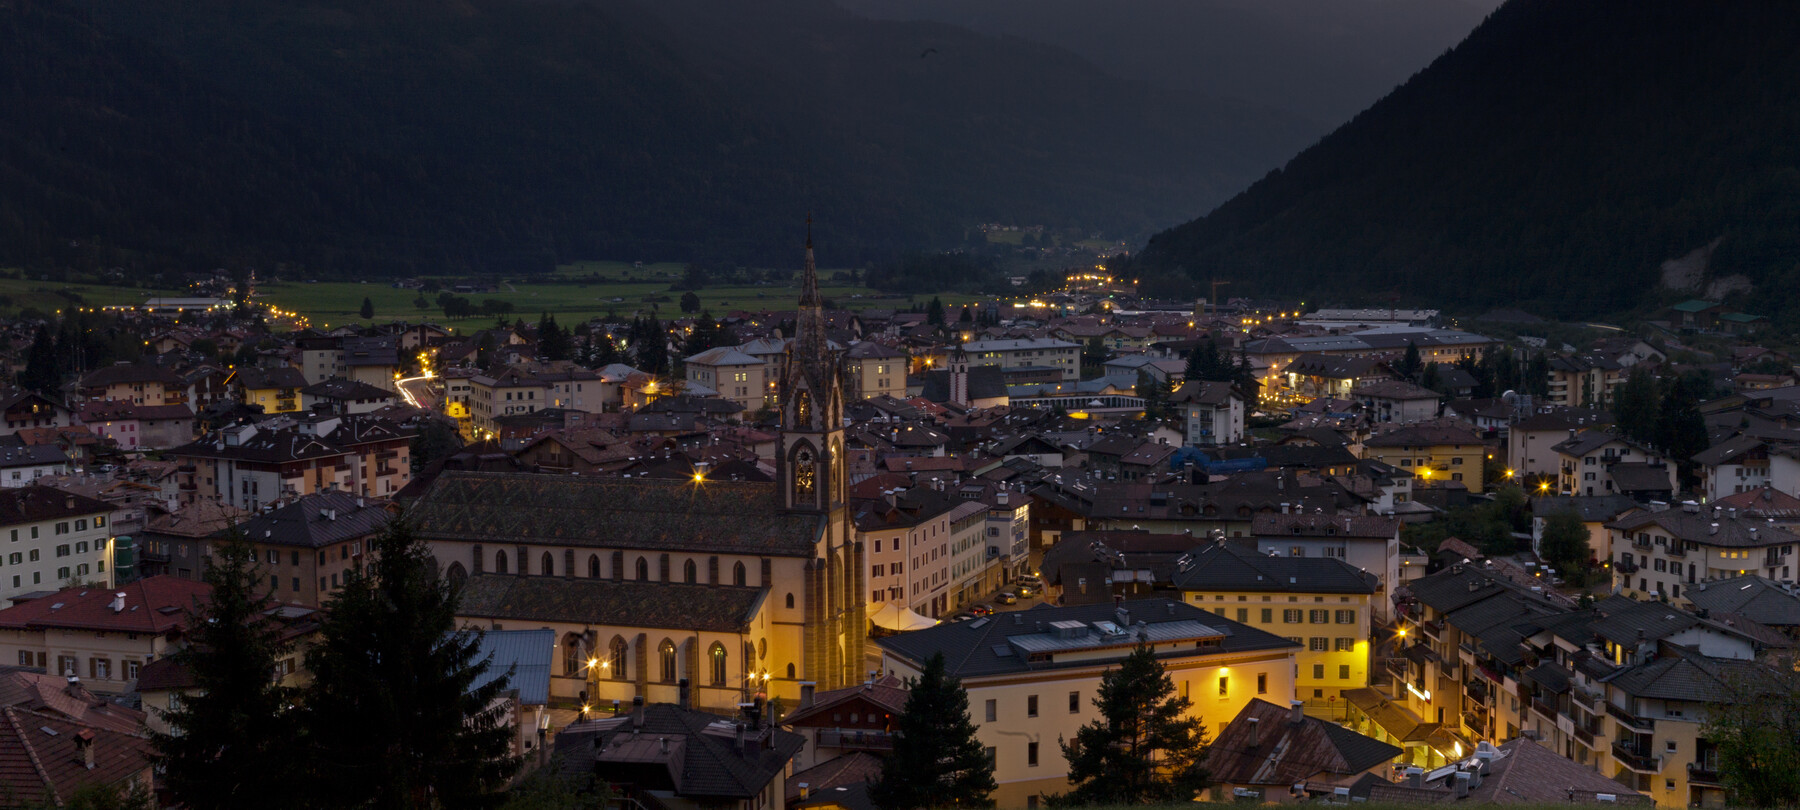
[(621, 602), (1678, 673), (317, 520), (624, 513), (30, 504), (692, 753), (340, 388), (31, 455), (985, 646), (1591, 508), (985, 382), (1755, 598), (1698, 528), (256, 377), (1218, 566)]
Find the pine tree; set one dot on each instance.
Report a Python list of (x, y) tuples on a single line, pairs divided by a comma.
[(368, 309), (937, 760), (392, 718), (1155, 394), (554, 343), (1635, 406), (1143, 748), (1411, 363), (230, 743), (41, 372), (934, 312)]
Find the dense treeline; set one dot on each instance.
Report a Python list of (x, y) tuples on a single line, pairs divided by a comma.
[(353, 138), (1553, 160)]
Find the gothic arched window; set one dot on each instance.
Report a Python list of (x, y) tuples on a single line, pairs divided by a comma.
[(690, 573), (667, 653), (594, 566), (717, 655), (739, 576), (643, 568), (803, 476), (549, 565), (571, 655), (616, 660), (499, 562)]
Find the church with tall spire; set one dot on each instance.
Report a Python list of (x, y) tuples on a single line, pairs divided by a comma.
[(812, 479)]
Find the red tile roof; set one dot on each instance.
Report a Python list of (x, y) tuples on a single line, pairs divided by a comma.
[(154, 605), (39, 758)]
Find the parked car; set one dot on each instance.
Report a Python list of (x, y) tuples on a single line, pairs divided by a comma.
[(982, 610), (962, 617), (1006, 597)]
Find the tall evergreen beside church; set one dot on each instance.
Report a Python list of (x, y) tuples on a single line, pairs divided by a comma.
[(811, 478)]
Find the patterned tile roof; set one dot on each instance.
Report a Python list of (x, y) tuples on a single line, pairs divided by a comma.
[(624, 513), (622, 602)]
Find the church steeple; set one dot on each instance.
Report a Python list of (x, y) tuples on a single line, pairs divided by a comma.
[(811, 469), (809, 329)]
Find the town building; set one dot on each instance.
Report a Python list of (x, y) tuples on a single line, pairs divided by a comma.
[(1321, 603), (1028, 357), (1436, 454), (1659, 555), (49, 538), (1032, 677), (101, 635)]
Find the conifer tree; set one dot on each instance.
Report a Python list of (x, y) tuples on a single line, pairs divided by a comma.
[(41, 372), (230, 740), (937, 761), (368, 309), (393, 717), (1411, 363), (1143, 748)]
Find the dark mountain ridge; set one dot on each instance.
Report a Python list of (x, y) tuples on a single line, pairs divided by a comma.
[(1554, 160), (398, 136)]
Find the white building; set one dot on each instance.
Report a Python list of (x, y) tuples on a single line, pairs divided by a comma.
[(1024, 355), (50, 537)]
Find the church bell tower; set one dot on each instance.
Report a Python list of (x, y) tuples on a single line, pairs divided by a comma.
[(811, 478)]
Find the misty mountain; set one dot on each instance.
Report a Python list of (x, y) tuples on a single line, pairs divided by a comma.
[(1325, 60), (1554, 160), (383, 136)]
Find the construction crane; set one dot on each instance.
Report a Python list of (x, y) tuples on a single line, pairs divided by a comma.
[(1214, 300)]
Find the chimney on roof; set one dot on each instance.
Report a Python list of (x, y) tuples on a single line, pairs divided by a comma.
[(1462, 784), (808, 689), (805, 790), (1123, 616), (637, 712), (1414, 777), (117, 605), (84, 743), (1255, 732), (686, 694), (740, 737), (1296, 712)]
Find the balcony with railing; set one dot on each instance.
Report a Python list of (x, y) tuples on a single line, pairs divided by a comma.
[(1433, 630), (1636, 758), (1544, 708), (1627, 567), (1631, 722), (856, 739), (1704, 773)]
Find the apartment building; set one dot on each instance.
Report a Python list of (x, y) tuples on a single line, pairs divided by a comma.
[(1366, 542), (1622, 688), (1027, 356), (1659, 555), (1212, 413), (49, 538), (1435, 454), (906, 540), (100, 635), (875, 371), (1585, 462), (1321, 604), (1032, 676), (973, 571), (733, 375), (509, 392)]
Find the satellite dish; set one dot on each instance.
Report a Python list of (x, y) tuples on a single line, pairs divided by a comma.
[(1510, 397)]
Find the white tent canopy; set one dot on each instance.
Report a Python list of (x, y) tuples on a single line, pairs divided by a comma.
[(894, 617)]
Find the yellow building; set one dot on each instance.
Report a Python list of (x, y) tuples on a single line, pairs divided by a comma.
[(275, 390), (1434, 454), (102, 636), (875, 370), (1319, 603), (1032, 676)]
